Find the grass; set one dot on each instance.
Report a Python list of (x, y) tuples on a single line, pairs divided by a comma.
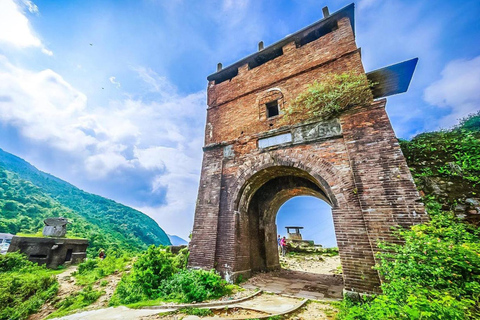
[(92, 270), (39, 234), (76, 301)]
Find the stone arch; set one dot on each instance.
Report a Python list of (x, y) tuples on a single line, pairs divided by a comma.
[(302, 174), (328, 177)]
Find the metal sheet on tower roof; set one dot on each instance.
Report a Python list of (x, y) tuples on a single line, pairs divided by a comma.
[(393, 79)]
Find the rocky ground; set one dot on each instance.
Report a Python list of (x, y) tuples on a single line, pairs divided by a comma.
[(304, 276), (312, 263), (68, 287)]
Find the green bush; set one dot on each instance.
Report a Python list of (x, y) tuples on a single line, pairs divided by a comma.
[(194, 285), (88, 265), (148, 272), (158, 274), (24, 286), (334, 94), (180, 261), (94, 269), (151, 268), (435, 274), (14, 261)]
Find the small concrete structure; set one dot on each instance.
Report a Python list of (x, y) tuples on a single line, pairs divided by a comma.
[(54, 249), (296, 235), (51, 252), (55, 227)]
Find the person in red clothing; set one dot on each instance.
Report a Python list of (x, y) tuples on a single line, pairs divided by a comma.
[(283, 244)]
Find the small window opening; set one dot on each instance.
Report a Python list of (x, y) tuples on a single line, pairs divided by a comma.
[(272, 109)]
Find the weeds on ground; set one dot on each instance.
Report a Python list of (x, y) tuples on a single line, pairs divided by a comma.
[(159, 275), (196, 311), (95, 269), (435, 274), (24, 286), (75, 301)]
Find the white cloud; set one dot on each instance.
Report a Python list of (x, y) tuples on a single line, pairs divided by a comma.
[(32, 7), (163, 138), (154, 82), (114, 82), (458, 89), (15, 28)]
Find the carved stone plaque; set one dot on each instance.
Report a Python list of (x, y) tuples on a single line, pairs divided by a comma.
[(316, 131)]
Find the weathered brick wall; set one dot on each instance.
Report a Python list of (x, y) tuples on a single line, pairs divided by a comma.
[(204, 234), (354, 163), (388, 195), (234, 106)]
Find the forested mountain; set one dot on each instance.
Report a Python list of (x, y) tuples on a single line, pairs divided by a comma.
[(28, 195)]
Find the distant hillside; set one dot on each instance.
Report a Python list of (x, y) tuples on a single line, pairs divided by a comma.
[(176, 240), (446, 165), (28, 195)]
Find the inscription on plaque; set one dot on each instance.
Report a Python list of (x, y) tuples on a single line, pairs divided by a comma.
[(316, 131)]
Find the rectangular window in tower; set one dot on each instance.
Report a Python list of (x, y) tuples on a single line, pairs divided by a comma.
[(272, 109)]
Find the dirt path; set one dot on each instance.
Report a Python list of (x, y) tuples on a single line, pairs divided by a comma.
[(109, 288), (287, 287), (66, 286), (308, 276), (311, 263)]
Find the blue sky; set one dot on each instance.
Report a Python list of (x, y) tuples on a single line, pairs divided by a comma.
[(110, 95)]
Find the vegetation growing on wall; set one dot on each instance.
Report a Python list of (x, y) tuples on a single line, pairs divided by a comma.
[(446, 164), (331, 96)]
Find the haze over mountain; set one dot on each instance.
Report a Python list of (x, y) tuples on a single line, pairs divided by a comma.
[(28, 195), (176, 240)]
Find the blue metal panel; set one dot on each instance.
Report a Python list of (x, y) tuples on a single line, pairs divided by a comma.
[(393, 79)]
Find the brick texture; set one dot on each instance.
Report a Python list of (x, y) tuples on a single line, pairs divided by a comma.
[(359, 171)]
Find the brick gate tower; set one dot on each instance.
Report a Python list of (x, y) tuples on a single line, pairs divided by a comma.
[(253, 162)]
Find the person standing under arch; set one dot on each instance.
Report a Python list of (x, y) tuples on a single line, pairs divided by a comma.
[(283, 245)]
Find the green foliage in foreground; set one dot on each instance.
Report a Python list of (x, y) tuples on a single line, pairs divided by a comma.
[(158, 274), (24, 286), (434, 275), (95, 269), (196, 311), (331, 96), (75, 301)]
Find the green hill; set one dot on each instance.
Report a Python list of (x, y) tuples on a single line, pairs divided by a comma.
[(28, 195)]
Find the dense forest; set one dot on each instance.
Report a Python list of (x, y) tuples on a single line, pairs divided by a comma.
[(27, 196)]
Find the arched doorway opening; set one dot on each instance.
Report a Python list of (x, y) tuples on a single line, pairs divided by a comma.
[(313, 215), (311, 251), (260, 200)]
